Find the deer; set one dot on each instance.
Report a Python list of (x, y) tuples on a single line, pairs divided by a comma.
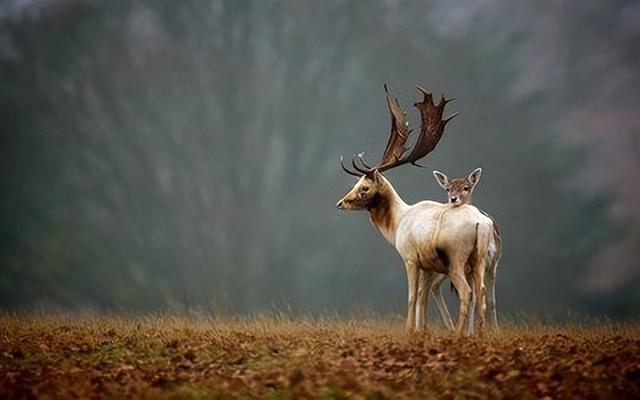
[(431, 237), (459, 191)]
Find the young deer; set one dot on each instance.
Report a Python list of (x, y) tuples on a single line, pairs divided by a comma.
[(459, 189), (459, 192), (430, 237)]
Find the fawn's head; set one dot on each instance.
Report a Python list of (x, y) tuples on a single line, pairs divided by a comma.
[(459, 189)]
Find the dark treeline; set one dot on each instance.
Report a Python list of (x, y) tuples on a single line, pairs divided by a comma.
[(157, 154)]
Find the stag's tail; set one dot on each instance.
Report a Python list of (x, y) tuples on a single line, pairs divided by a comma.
[(484, 235)]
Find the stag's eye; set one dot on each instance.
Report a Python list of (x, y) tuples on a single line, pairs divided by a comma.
[(466, 188), (365, 189), (447, 189)]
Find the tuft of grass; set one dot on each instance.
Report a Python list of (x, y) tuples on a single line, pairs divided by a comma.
[(188, 392), (281, 394), (332, 394)]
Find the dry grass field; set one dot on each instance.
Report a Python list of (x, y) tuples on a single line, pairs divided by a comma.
[(276, 358)]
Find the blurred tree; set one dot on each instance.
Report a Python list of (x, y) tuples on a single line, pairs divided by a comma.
[(157, 153)]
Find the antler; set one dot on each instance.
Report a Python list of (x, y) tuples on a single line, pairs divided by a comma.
[(432, 126), (399, 131), (395, 152)]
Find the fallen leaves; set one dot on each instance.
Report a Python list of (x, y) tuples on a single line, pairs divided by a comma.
[(176, 358)]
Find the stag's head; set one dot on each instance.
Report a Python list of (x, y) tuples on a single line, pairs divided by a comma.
[(372, 186), (459, 189), (366, 193)]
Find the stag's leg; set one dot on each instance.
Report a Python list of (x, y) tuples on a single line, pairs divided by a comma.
[(491, 301), (464, 293), (479, 294), (472, 304), (425, 280), (468, 327), (436, 290), (412, 284), (420, 303)]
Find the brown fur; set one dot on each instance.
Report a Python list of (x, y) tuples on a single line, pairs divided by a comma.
[(380, 212)]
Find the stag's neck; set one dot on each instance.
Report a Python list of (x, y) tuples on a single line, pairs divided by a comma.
[(385, 213)]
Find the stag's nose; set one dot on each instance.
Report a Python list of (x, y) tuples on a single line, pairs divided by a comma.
[(339, 205), (454, 199)]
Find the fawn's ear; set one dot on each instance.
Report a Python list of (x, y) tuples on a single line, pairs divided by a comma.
[(474, 177), (441, 178)]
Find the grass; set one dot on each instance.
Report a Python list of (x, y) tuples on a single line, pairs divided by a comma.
[(64, 356)]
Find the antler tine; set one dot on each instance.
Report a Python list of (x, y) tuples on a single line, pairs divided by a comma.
[(361, 158), (444, 101), (429, 96), (346, 169), (423, 90), (449, 118), (355, 166)]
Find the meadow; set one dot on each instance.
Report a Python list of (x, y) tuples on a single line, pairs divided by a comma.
[(174, 357)]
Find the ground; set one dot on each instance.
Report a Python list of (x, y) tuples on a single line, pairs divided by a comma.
[(278, 358)]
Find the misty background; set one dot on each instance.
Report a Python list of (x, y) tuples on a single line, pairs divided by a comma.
[(163, 154)]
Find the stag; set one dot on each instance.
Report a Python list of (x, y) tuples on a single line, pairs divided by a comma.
[(459, 192), (431, 238)]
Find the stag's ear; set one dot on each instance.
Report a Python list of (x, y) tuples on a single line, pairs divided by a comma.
[(474, 177), (441, 178)]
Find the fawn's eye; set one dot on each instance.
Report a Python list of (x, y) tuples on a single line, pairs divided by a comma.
[(365, 188), (466, 188)]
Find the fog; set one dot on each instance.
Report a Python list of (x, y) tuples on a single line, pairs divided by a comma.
[(162, 155)]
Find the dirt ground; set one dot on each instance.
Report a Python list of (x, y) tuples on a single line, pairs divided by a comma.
[(277, 358)]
